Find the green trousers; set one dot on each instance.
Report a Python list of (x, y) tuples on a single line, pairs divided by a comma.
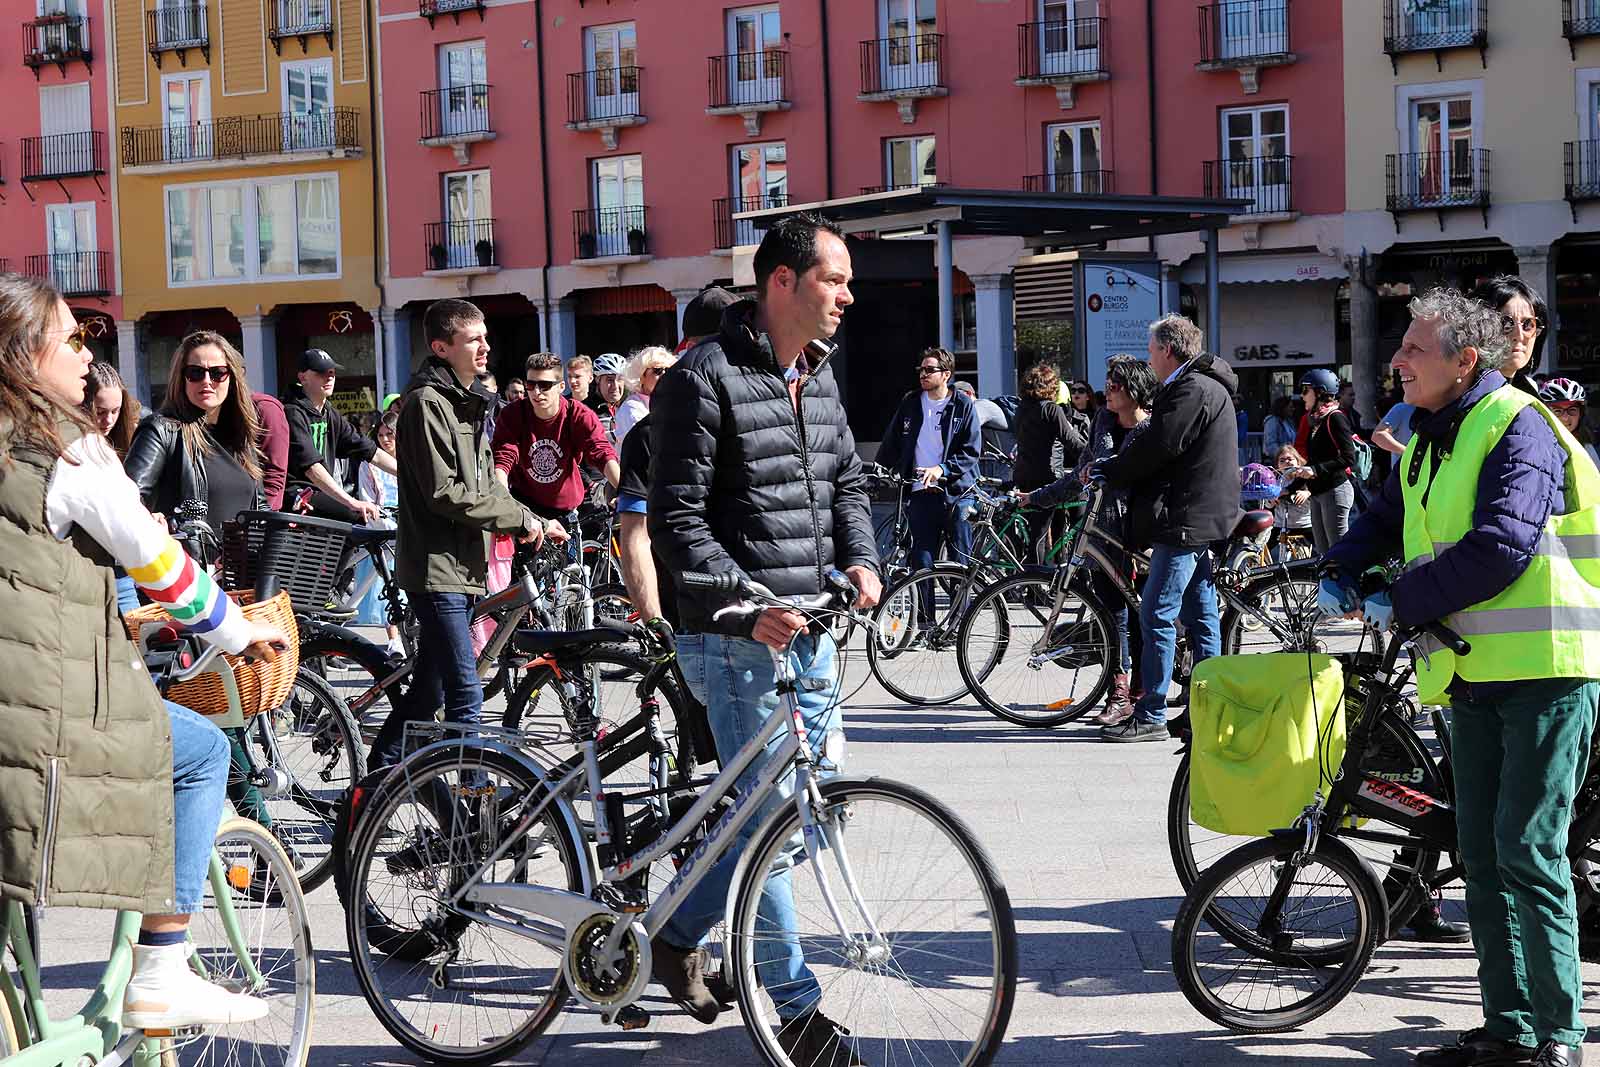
[(1520, 753), (247, 799)]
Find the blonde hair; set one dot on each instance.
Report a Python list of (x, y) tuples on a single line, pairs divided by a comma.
[(647, 357), (1292, 454)]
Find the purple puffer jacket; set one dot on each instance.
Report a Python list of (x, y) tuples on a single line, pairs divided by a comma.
[(1519, 488)]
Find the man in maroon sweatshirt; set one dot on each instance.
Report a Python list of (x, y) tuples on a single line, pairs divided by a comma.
[(540, 441)]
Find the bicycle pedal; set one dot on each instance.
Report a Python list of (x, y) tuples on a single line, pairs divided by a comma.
[(630, 1017)]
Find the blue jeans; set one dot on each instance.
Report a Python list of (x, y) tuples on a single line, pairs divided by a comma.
[(446, 674), (199, 782), (1111, 598), (935, 521), (1178, 589), (127, 593), (733, 677)]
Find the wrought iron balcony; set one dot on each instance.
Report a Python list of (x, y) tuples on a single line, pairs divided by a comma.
[(1439, 181), (748, 84), (1245, 35), (74, 273), (1090, 182), (242, 137), (1581, 165), (599, 233), (1266, 181), (867, 190), (58, 39), (1063, 54), (178, 29), (903, 69), (300, 19), (458, 115), (63, 155), (1436, 27), (461, 244), (431, 9), (1579, 18), (606, 100), (731, 231)]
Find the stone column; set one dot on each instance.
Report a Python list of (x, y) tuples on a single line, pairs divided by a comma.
[(260, 352), (1364, 359), (130, 361), (380, 367), (682, 297), (563, 328), (1536, 266), (395, 325), (997, 335)]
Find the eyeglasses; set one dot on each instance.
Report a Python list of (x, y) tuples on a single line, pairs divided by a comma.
[(541, 386), (195, 375), (77, 338), (1571, 407), (925, 371), (653, 370), (1111, 387), (1511, 325)]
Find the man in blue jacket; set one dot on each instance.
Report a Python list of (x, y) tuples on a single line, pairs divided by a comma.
[(936, 436)]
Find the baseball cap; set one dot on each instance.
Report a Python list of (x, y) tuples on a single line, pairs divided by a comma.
[(703, 316), (390, 399), (315, 359)]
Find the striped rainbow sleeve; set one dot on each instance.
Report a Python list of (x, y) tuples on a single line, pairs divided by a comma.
[(185, 590)]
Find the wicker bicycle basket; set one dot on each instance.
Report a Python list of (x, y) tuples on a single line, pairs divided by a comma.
[(262, 686)]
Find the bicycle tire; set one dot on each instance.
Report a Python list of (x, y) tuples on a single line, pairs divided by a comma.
[(1193, 948), (354, 669), (919, 674), (892, 553), (985, 958), (1025, 602), (427, 931), (265, 897), (1291, 601)]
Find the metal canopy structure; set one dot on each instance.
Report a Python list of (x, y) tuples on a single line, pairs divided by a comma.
[(1041, 219)]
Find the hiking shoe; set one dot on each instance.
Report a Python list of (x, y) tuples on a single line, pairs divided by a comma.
[(1555, 1054), (717, 982), (1135, 730), (682, 973), (814, 1040), (165, 993), (1475, 1048)]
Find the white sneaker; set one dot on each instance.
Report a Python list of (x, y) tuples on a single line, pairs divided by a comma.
[(165, 994), (396, 647)]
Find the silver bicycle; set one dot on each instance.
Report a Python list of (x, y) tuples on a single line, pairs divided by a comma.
[(493, 905)]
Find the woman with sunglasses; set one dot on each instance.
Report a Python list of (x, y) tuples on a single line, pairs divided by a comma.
[(644, 371), (1568, 402), (1523, 316)]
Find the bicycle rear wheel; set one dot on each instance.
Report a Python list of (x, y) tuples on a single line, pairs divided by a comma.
[(1259, 969), (354, 668), (911, 646), (995, 651), (929, 964)]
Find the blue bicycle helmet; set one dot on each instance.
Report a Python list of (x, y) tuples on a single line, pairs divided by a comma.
[(1325, 382), (1258, 482)]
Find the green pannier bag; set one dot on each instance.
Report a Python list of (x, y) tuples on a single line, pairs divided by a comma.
[(1253, 764)]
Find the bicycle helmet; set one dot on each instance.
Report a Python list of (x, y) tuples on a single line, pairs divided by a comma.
[(609, 363), (1258, 482), (1325, 382), (1562, 391)]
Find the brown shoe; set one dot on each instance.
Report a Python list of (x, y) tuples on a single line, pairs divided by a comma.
[(1118, 706), (681, 972)]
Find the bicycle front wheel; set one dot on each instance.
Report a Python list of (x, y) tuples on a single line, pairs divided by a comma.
[(1279, 614), (1023, 673), (927, 961), (911, 645)]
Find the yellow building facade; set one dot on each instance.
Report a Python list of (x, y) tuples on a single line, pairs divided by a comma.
[(246, 183)]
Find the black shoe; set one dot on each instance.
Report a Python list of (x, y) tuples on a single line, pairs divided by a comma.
[(1475, 1048), (1555, 1054), (1134, 730), (680, 972), (1430, 927), (814, 1040), (1178, 725)]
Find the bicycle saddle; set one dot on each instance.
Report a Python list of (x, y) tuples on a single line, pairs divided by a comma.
[(1252, 523)]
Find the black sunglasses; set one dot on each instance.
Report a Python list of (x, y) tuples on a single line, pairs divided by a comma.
[(541, 387), (925, 371), (195, 375)]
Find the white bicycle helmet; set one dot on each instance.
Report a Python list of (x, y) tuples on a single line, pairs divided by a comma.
[(609, 363), (1562, 391)]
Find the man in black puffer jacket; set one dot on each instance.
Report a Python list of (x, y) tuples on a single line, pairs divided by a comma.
[(756, 473), (1182, 476)]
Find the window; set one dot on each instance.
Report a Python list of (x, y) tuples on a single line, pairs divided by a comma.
[(307, 104), (64, 124), (1066, 44), (1257, 28), (1442, 138), (464, 79), (611, 60), (272, 229), (618, 191), (186, 114), (909, 54), (755, 37), (909, 162), (179, 22), (760, 180), (70, 232), (1255, 144), (303, 16), (59, 39), (1073, 151), (467, 211)]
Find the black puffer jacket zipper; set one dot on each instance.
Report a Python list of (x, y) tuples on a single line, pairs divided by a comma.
[(797, 403)]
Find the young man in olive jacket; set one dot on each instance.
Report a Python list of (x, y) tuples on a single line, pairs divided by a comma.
[(450, 502)]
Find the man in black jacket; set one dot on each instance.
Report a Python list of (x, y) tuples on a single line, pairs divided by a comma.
[(318, 436), (1182, 475), (756, 473)]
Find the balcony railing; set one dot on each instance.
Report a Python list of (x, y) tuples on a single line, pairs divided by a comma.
[(612, 231), (431, 9), (242, 136), (461, 244), (1579, 18), (911, 66), (1239, 32), (867, 190), (1429, 181), (1434, 27), (731, 231), (58, 39), (299, 18), (1091, 182), (755, 80), (608, 96), (63, 155), (177, 29), (1266, 181), (1048, 51), (1582, 167), (459, 112), (74, 273)]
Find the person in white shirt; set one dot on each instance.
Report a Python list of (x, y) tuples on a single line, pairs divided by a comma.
[(644, 370)]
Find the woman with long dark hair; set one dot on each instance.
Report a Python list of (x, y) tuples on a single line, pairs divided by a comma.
[(1524, 317), (114, 410), (1050, 438)]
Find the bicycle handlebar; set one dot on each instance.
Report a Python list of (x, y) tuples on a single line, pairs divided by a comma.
[(756, 597), (1447, 637)]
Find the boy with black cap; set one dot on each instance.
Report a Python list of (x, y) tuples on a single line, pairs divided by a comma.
[(319, 435)]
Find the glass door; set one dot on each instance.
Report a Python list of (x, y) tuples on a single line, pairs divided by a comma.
[(907, 56), (67, 145), (307, 105), (755, 73), (1253, 28), (303, 16), (466, 203), (178, 22), (1442, 137), (1074, 152), (464, 77), (619, 203), (611, 62), (1066, 45), (72, 246), (186, 115), (760, 180), (1254, 167), (56, 37)]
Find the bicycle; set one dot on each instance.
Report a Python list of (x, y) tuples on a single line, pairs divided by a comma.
[(513, 863)]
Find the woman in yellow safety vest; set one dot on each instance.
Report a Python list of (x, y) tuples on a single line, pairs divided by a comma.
[(1494, 507)]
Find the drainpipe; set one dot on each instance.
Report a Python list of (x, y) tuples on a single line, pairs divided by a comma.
[(1150, 93), (544, 178), (380, 218), (827, 104)]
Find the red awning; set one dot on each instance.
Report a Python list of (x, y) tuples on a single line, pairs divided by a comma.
[(625, 300)]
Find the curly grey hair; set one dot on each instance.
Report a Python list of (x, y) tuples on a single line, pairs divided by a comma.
[(1179, 334), (1463, 323)]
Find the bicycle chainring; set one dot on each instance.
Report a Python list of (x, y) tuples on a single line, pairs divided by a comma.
[(589, 981)]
